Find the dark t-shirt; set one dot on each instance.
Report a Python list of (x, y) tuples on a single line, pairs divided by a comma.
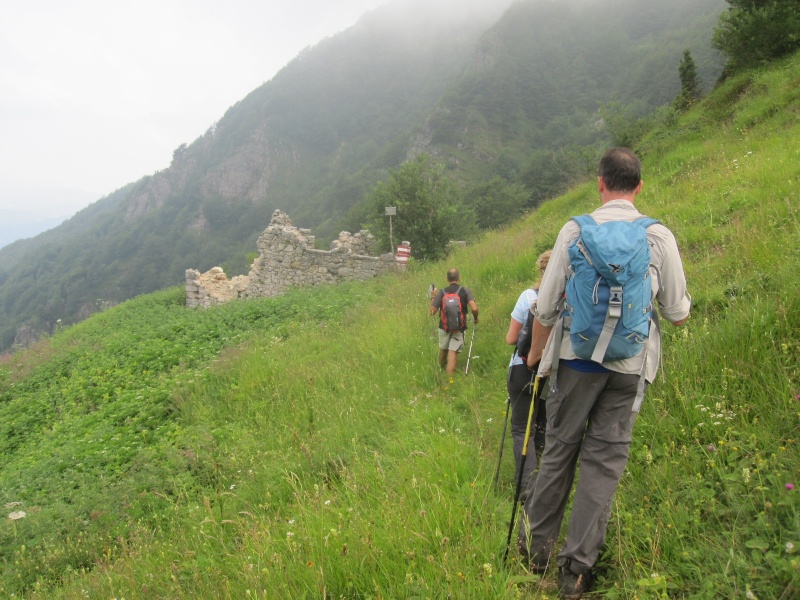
[(466, 298)]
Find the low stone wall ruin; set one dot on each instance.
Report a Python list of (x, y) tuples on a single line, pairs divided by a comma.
[(287, 258)]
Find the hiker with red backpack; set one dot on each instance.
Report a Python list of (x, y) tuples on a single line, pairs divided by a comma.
[(596, 333), (451, 303)]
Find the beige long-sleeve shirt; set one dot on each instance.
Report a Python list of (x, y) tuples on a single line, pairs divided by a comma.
[(668, 282)]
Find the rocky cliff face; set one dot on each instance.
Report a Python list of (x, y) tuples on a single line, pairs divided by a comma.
[(245, 174)]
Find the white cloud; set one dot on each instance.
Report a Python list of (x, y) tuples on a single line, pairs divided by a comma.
[(95, 94)]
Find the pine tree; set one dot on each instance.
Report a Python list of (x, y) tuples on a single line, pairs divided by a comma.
[(690, 83), (754, 32)]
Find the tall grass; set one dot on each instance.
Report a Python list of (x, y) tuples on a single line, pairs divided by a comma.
[(329, 458)]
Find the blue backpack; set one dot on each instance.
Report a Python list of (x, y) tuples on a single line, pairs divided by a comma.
[(609, 294)]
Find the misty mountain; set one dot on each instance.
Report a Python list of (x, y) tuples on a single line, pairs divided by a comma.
[(486, 87)]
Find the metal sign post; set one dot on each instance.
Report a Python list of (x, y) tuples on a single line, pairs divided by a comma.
[(390, 211)]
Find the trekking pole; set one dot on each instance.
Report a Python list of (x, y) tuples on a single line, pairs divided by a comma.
[(521, 467), (502, 443), (469, 355)]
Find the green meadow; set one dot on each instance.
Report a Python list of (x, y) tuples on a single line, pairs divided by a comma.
[(307, 446)]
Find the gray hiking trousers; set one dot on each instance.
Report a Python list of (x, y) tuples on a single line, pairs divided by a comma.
[(589, 418)]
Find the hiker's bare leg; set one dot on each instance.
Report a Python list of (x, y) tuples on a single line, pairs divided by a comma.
[(452, 357), (443, 358)]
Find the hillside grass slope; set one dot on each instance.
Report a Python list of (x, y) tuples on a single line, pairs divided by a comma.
[(321, 455)]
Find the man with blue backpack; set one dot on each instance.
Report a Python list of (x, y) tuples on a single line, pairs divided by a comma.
[(596, 333)]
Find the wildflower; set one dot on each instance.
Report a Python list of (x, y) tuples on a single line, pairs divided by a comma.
[(789, 547), (14, 516), (289, 534), (13, 504), (746, 475), (710, 447), (489, 420), (487, 568), (790, 486), (233, 486), (750, 595), (441, 430), (327, 502), (291, 521)]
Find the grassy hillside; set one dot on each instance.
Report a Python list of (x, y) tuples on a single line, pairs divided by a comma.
[(320, 456)]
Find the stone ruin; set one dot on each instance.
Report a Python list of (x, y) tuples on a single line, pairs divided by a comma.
[(287, 258)]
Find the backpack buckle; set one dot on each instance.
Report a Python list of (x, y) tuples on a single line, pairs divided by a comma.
[(615, 302)]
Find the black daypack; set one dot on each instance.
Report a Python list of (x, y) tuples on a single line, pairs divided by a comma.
[(525, 336), (452, 313)]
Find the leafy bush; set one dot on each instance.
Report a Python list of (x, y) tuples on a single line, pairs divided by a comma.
[(430, 208)]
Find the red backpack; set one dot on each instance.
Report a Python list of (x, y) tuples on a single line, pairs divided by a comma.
[(452, 313)]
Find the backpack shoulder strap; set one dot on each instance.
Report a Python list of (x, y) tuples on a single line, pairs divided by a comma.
[(646, 221), (582, 220)]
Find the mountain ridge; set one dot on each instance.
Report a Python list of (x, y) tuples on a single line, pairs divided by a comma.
[(312, 141)]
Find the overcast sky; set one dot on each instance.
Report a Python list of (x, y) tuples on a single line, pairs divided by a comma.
[(95, 94)]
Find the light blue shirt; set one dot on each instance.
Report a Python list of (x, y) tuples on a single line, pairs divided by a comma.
[(520, 315)]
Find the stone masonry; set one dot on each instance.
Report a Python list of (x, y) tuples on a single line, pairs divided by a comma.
[(287, 258)]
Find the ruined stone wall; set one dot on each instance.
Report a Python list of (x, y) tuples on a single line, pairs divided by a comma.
[(287, 258), (212, 287)]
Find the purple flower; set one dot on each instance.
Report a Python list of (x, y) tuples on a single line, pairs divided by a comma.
[(790, 486), (710, 447)]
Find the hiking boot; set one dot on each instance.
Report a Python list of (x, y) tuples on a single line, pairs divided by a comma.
[(573, 585)]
